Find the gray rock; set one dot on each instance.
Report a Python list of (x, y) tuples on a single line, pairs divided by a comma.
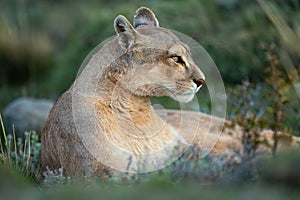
[(26, 114)]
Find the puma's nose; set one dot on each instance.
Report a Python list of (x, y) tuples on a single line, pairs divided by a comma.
[(199, 82)]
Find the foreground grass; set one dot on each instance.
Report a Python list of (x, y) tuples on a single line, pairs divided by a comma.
[(14, 186)]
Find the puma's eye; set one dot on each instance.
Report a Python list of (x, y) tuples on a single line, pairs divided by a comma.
[(178, 60)]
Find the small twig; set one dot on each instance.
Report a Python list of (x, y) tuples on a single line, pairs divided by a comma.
[(29, 152), (24, 153), (4, 133), (15, 146), (3, 130)]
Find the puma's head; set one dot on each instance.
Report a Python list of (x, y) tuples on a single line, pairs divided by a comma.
[(158, 63)]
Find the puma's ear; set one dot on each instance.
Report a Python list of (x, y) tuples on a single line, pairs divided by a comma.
[(127, 34), (145, 16)]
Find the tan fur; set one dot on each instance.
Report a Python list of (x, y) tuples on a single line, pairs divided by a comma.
[(230, 141), (142, 61)]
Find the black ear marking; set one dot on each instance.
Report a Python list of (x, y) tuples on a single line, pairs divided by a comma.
[(145, 16), (122, 24), (127, 34), (120, 27)]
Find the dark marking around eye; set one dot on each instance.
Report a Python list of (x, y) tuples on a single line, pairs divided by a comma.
[(178, 59)]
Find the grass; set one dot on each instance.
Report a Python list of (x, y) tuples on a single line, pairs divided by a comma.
[(20, 154), (274, 183)]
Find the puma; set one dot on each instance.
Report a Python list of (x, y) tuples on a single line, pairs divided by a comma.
[(105, 119)]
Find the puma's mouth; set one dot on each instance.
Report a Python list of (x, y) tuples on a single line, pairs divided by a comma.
[(183, 98), (188, 96)]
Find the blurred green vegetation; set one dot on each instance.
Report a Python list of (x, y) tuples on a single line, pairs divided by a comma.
[(44, 42)]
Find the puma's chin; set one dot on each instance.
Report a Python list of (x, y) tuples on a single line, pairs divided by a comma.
[(184, 98)]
